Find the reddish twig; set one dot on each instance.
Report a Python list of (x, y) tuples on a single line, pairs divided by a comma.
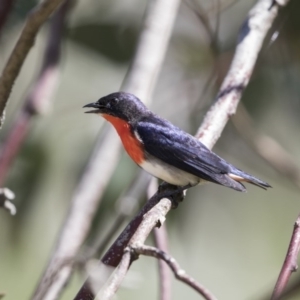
[(179, 273), (40, 96), (26, 40), (290, 262)]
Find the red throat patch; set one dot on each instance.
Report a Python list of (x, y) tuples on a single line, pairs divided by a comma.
[(131, 144)]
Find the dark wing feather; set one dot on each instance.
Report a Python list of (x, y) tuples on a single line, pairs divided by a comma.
[(181, 150)]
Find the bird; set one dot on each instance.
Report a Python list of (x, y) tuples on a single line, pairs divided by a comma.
[(164, 150)]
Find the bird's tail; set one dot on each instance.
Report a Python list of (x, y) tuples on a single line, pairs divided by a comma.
[(240, 176)]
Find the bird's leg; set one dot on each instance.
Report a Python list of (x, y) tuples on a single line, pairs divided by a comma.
[(173, 192)]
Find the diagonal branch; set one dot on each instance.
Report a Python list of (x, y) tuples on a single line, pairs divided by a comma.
[(179, 273), (249, 44), (35, 20)]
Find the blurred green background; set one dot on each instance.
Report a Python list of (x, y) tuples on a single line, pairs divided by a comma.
[(232, 243)]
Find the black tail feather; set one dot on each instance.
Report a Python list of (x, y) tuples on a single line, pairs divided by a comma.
[(239, 175)]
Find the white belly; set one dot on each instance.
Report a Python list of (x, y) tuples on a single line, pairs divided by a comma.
[(169, 174)]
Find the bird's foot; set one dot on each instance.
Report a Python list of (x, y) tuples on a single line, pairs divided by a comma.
[(173, 192)]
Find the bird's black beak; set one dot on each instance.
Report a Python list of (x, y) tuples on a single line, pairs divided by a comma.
[(94, 105)]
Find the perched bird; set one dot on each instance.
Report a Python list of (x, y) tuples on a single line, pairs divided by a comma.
[(164, 150)]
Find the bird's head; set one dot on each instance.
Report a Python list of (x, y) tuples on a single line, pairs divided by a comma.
[(122, 105)]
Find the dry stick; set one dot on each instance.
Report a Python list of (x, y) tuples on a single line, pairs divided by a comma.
[(96, 176), (179, 273), (290, 262), (165, 283), (250, 42), (161, 242), (5, 9), (268, 148), (39, 97), (34, 21)]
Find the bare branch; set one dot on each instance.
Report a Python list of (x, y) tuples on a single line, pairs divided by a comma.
[(26, 40), (290, 262), (179, 273), (252, 34)]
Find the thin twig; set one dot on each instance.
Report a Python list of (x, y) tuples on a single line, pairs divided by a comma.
[(35, 20), (179, 273), (161, 242), (290, 262)]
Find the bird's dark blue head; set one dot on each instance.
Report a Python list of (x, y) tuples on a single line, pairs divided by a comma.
[(123, 105)]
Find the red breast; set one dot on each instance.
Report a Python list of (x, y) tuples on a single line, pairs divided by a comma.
[(131, 144)]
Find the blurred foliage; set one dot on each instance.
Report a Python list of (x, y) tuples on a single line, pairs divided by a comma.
[(232, 243)]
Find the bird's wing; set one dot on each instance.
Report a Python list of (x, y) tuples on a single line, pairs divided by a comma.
[(177, 148)]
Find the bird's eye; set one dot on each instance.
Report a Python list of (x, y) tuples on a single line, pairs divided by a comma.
[(114, 101)]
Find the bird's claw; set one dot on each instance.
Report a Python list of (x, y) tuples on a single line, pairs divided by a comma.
[(173, 192)]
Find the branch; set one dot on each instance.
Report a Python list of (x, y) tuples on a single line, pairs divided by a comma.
[(179, 273), (39, 98), (290, 262), (26, 40), (251, 36)]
